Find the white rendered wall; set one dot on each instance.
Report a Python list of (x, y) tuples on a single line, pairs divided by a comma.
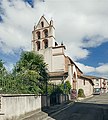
[(58, 63), (47, 53), (70, 73), (15, 105), (97, 84), (58, 51), (88, 88)]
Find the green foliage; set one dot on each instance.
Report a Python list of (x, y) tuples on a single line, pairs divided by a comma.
[(50, 89), (1, 64), (29, 71), (3, 71), (68, 87), (8, 84), (32, 61), (54, 89), (65, 87), (3, 74), (28, 76), (81, 93)]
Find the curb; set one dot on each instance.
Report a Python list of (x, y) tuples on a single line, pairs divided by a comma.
[(61, 109), (85, 99)]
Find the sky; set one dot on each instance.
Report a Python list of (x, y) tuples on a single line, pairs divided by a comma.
[(82, 25)]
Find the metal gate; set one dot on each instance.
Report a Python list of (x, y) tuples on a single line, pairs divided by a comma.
[(54, 99)]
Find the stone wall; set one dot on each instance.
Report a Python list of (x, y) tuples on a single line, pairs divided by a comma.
[(13, 106)]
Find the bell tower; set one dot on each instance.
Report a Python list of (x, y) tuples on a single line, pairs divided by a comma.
[(43, 42), (43, 35)]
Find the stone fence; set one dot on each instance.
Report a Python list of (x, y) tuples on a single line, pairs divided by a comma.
[(12, 106)]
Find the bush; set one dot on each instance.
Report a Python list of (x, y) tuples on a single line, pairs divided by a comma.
[(81, 93)]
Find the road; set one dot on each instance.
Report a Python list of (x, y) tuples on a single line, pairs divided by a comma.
[(95, 108)]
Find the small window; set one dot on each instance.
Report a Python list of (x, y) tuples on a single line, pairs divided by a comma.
[(42, 24), (38, 35), (46, 33), (84, 82), (45, 43), (56, 44), (38, 45), (97, 84)]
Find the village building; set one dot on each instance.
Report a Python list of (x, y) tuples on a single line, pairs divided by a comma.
[(86, 84), (100, 84), (61, 68)]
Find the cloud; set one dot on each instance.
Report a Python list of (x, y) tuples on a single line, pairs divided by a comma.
[(80, 24), (100, 71), (103, 69), (93, 41), (16, 28), (80, 20), (85, 68)]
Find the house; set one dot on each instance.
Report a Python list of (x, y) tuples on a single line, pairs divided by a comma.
[(86, 84), (61, 67), (100, 83)]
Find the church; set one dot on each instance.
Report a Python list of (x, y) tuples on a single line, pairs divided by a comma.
[(61, 68)]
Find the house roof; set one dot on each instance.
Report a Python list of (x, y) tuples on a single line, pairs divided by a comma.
[(95, 77), (87, 78)]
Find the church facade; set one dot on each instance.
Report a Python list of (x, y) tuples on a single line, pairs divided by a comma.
[(61, 68)]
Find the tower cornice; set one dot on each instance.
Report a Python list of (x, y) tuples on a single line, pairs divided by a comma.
[(43, 28)]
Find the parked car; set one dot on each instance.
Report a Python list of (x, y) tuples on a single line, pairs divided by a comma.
[(97, 91)]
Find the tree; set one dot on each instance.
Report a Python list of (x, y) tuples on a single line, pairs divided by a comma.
[(30, 73), (2, 68), (65, 87), (3, 74)]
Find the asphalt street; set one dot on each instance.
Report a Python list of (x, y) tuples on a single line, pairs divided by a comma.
[(95, 108)]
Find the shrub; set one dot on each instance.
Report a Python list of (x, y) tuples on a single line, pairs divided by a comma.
[(81, 93)]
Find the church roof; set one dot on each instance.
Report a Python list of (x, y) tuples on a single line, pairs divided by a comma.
[(40, 21), (71, 61), (53, 74)]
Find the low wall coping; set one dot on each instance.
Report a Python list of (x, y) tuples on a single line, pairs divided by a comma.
[(17, 95), (2, 113)]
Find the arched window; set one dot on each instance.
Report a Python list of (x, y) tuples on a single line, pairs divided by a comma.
[(45, 33), (38, 35), (45, 42), (42, 24), (74, 81), (74, 76), (38, 45)]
